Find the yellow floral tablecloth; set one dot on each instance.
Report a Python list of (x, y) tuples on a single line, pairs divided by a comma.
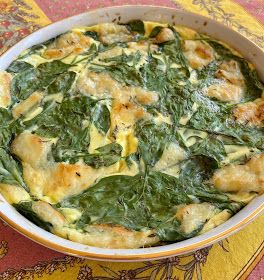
[(241, 256)]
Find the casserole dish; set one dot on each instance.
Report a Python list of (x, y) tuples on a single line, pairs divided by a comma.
[(246, 48)]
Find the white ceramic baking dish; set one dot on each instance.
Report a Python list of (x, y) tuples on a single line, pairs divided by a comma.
[(124, 14)]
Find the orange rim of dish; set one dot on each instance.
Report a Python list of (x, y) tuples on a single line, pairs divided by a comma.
[(115, 257)]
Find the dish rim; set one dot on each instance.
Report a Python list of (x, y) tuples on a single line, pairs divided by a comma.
[(141, 253)]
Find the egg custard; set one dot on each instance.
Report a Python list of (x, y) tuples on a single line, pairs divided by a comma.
[(130, 135)]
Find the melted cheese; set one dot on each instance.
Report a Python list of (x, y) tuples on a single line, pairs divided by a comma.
[(53, 181), (192, 216), (165, 35), (5, 84), (126, 107), (71, 42), (244, 197), (14, 194), (231, 83), (168, 163), (226, 92), (230, 71), (198, 53), (251, 112), (32, 149), (97, 85), (24, 106), (35, 59), (241, 178), (110, 33), (142, 46), (71, 214), (107, 236), (116, 51), (216, 220), (48, 214)]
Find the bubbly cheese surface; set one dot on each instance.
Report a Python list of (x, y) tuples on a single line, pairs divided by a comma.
[(131, 135)]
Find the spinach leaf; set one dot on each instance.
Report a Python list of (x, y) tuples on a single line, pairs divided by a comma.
[(104, 48), (253, 84), (124, 58), (136, 26), (62, 83), (170, 231), (10, 171), (197, 168), (206, 74), (218, 121), (173, 50), (65, 118), (176, 102), (155, 31), (139, 202), (101, 118), (65, 121), (120, 70), (25, 83), (32, 79), (138, 207), (210, 147), (54, 67), (152, 140), (92, 34), (8, 127), (221, 50), (106, 156), (19, 66), (153, 77), (25, 208)]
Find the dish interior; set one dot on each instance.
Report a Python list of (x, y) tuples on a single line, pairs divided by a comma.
[(132, 135)]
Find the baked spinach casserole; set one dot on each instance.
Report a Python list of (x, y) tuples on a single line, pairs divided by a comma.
[(131, 135)]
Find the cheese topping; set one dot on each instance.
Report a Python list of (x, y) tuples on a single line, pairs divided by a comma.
[(241, 178), (199, 54), (5, 83)]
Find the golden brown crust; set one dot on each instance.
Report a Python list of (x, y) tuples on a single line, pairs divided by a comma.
[(72, 42), (110, 33), (194, 215), (5, 85), (26, 105), (241, 178), (31, 148), (230, 71), (53, 180), (166, 34), (108, 236), (251, 113), (230, 87), (198, 53), (48, 214), (14, 194)]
